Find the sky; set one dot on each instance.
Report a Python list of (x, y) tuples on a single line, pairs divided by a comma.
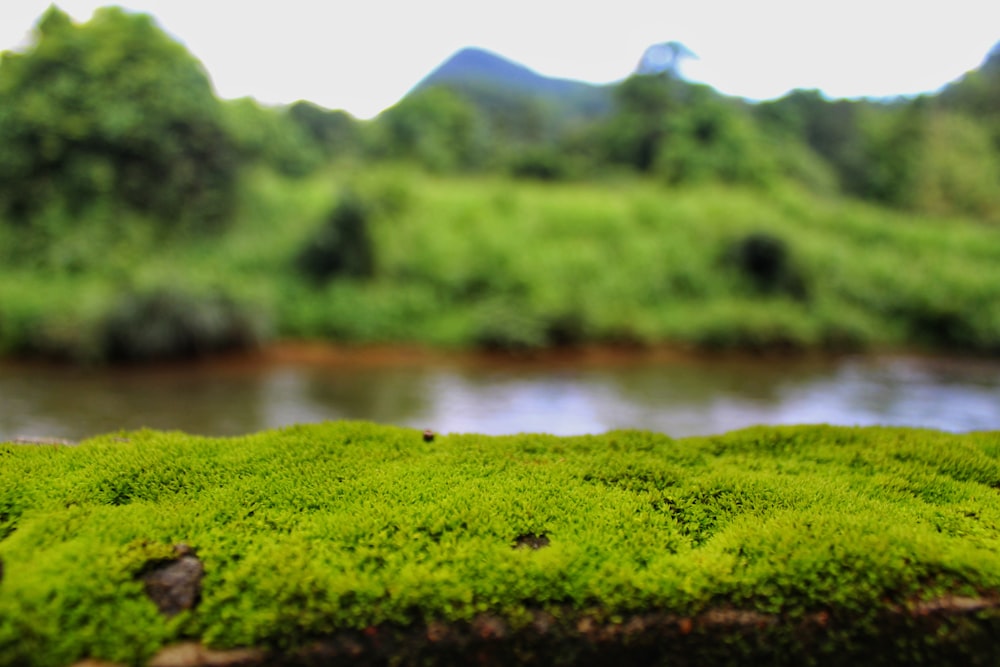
[(363, 56)]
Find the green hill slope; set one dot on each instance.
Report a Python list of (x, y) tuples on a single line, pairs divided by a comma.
[(479, 72)]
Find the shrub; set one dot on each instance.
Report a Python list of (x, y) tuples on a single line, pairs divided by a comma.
[(341, 247), (502, 325), (764, 261), (270, 137), (166, 323), (541, 164)]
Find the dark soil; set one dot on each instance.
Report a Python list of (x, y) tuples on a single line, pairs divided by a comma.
[(948, 631)]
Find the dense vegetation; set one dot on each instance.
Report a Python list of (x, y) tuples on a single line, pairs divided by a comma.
[(141, 217), (833, 545)]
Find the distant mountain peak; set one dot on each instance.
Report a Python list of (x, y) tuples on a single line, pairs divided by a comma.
[(664, 57), (477, 65), (493, 82)]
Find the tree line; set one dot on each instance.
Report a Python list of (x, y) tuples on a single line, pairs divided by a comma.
[(114, 116)]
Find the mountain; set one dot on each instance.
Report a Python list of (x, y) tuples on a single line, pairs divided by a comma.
[(977, 93), (488, 79), (473, 65)]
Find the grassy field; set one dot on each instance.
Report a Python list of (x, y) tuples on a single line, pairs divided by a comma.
[(492, 262), (793, 545)]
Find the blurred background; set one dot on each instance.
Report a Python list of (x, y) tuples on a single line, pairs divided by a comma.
[(688, 219)]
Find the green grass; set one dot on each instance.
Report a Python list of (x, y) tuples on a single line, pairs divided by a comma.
[(313, 530), (493, 262)]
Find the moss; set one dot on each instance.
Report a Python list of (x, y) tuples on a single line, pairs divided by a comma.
[(773, 543)]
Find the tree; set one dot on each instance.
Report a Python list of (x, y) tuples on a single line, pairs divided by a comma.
[(935, 161), (644, 103), (835, 130), (712, 138), (685, 132), (111, 112), (335, 132), (269, 136), (436, 128)]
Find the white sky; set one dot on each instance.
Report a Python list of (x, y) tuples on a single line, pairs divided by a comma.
[(363, 56)]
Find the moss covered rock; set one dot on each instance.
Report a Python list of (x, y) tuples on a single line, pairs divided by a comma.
[(790, 545)]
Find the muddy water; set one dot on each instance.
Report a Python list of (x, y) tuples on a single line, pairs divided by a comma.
[(582, 393)]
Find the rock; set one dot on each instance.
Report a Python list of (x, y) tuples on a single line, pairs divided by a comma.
[(531, 541), (175, 586), (192, 654)]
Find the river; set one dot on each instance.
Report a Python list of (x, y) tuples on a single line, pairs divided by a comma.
[(569, 394)]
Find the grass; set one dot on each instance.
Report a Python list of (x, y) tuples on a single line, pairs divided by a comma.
[(498, 263), (315, 530)]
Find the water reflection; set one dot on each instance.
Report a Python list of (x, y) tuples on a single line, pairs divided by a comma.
[(680, 397)]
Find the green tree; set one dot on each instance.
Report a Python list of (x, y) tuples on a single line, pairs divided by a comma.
[(271, 137), (334, 132), (114, 112), (436, 128), (835, 130), (978, 92), (684, 132), (977, 95), (714, 138), (644, 104), (935, 161)]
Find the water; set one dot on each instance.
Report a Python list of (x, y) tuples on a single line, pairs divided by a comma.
[(569, 396)]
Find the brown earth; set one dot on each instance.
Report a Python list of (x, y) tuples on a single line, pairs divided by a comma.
[(951, 630)]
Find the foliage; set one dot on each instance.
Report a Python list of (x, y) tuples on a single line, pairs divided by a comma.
[(936, 162), (112, 111), (342, 246), (523, 265), (334, 133), (685, 133), (682, 217), (167, 323), (833, 129), (271, 137), (644, 106), (977, 94), (346, 526), (541, 163), (435, 128), (765, 261), (712, 139)]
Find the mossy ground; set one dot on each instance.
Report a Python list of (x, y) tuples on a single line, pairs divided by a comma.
[(311, 531)]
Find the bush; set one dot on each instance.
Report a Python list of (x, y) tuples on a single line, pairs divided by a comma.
[(541, 164), (270, 137), (165, 323), (334, 133), (763, 260), (342, 247), (112, 111)]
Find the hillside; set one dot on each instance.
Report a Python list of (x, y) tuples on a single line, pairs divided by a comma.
[(490, 79)]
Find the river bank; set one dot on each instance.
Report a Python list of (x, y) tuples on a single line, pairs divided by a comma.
[(487, 263)]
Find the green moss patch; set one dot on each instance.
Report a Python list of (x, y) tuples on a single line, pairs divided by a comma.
[(350, 539)]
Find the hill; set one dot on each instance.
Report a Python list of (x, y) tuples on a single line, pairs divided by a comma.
[(493, 82)]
